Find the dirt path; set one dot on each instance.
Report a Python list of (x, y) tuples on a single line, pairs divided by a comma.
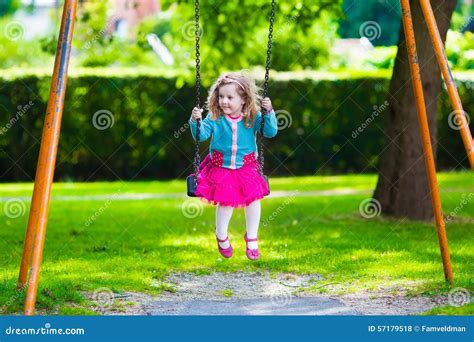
[(257, 293)]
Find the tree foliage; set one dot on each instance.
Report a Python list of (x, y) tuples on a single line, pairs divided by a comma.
[(234, 33), (9, 6), (386, 14)]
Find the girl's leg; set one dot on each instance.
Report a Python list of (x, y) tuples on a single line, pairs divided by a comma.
[(252, 217), (223, 215)]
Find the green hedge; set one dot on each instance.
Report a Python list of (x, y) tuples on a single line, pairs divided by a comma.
[(149, 137)]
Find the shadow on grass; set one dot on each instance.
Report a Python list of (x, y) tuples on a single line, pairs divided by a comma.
[(131, 244)]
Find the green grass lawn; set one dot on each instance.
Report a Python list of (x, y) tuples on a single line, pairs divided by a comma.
[(125, 245)]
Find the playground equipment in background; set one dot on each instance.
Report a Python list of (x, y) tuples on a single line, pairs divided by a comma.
[(36, 229), (160, 49)]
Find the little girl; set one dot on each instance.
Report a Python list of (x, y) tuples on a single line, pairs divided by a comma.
[(228, 176)]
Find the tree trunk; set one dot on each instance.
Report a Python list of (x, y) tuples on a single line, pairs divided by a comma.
[(402, 187)]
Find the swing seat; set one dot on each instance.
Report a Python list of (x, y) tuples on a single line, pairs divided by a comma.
[(268, 184), (191, 185)]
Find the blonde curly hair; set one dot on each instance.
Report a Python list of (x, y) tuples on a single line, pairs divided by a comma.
[(246, 88)]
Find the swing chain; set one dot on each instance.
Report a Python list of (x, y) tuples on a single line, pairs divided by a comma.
[(269, 50), (197, 156), (265, 88), (198, 55)]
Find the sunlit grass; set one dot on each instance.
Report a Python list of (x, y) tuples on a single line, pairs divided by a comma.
[(448, 180), (133, 245)]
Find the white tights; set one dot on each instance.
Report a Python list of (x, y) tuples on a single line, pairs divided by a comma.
[(252, 218)]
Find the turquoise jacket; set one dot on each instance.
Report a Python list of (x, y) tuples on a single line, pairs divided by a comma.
[(233, 145)]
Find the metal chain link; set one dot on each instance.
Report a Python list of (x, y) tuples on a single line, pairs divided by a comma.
[(265, 88), (198, 55), (197, 156)]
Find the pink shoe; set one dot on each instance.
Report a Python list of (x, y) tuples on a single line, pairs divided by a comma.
[(225, 252), (252, 254)]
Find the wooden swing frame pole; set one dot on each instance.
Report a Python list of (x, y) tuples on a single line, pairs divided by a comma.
[(425, 137), (38, 217), (449, 80)]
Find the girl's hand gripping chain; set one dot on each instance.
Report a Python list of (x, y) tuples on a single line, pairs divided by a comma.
[(267, 104), (196, 114)]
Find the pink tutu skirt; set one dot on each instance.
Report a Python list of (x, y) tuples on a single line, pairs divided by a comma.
[(227, 187)]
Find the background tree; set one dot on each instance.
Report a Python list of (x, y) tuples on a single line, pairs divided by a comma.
[(386, 13), (402, 187), (9, 6), (235, 33)]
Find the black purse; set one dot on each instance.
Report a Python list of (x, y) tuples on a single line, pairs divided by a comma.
[(191, 180), (260, 155), (268, 184), (191, 183)]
